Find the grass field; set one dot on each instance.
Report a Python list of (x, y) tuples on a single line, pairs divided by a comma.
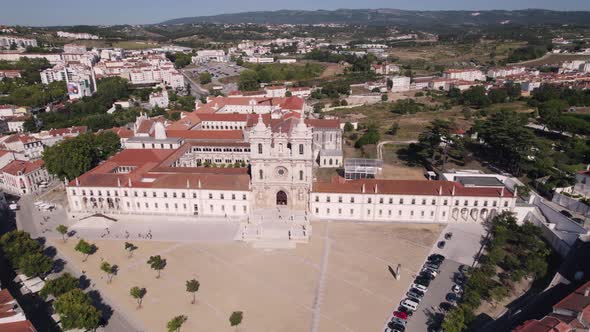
[(555, 59)]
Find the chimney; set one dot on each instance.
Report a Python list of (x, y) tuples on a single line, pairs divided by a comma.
[(363, 189), (502, 192), (376, 189), (440, 191), (586, 291), (453, 192)]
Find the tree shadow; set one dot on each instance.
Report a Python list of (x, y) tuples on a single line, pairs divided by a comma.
[(50, 251), (409, 155), (105, 309), (433, 319), (84, 282), (59, 265)]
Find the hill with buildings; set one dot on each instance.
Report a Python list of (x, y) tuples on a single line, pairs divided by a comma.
[(394, 16)]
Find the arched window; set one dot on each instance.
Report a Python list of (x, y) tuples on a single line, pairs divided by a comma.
[(300, 148), (261, 174), (259, 148), (330, 161), (280, 147)]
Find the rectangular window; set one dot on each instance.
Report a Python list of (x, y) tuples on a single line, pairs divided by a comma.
[(339, 211), (174, 194), (505, 204), (369, 200), (390, 200), (423, 201), (401, 201), (485, 203), (221, 196), (194, 195), (317, 198), (125, 193), (445, 202), (422, 213), (352, 199), (233, 197), (165, 195), (183, 195), (244, 196), (328, 199), (494, 203), (465, 203), (475, 203), (381, 200), (156, 205), (317, 210), (351, 212), (339, 199), (154, 194), (73, 193), (144, 194), (413, 201), (434, 202), (210, 196)]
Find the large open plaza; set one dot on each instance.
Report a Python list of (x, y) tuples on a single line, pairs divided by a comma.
[(340, 281)]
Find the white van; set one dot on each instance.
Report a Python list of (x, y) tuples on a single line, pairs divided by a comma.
[(409, 304)]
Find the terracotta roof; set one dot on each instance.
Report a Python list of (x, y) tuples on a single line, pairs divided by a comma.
[(577, 301), (225, 117), (145, 126), (547, 324), (25, 167), (406, 187), (122, 132), (22, 326), (288, 103), (234, 135), (151, 170), (323, 123)]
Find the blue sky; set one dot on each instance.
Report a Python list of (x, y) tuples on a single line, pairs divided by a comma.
[(70, 12)]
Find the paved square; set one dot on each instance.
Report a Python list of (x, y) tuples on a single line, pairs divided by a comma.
[(338, 282)]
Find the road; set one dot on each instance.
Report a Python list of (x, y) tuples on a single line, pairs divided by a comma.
[(29, 219), (381, 144), (196, 89)]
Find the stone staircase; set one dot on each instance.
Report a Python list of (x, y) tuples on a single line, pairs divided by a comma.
[(275, 229)]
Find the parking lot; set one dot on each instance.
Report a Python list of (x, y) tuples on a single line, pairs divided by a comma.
[(218, 69), (461, 248)]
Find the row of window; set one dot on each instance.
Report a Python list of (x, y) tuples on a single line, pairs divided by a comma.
[(197, 149), (153, 145), (424, 201), (301, 148), (154, 194), (380, 212), (184, 206), (223, 127)]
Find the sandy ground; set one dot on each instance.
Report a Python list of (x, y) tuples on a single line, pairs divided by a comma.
[(338, 282)]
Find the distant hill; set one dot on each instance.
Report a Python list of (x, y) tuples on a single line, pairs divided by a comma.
[(395, 17)]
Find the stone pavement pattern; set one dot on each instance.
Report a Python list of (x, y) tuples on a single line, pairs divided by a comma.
[(276, 289)]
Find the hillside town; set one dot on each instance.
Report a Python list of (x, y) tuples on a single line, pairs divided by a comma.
[(294, 177)]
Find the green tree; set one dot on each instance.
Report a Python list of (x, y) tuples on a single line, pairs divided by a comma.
[(348, 127), (85, 248), (109, 269), (17, 243), (288, 94), (192, 286), (138, 294), (63, 230), (84, 152), (205, 77), (130, 248), (454, 321), (157, 263), (497, 96), (384, 97), (371, 136), (176, 323), (58, 286), (248, 81), (34, 264), (236, 318), (76, 311)]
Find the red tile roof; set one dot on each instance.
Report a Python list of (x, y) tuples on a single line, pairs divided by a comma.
[(406, 187), (151, 170), (547, 324), (22, 326), (122, 132), (25, 167), (578, 301), (68, 131)]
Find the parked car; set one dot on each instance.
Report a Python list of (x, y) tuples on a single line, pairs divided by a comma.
[(441, 244), (395, 328), (415, 295), (457, 289), (432, 272), (409, 304), (405, 311), (451, 298), (459, 279), (400, 314), (400, 321), (578, 220), (13, 206), (419, 287), (436, 258), (464, 268), (434, 266), (448, 235)]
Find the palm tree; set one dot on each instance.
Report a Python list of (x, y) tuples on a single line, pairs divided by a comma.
[(157, 263), (138, 294), (192, 286)]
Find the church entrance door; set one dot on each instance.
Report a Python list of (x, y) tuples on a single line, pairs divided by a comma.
[(281, 198)]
